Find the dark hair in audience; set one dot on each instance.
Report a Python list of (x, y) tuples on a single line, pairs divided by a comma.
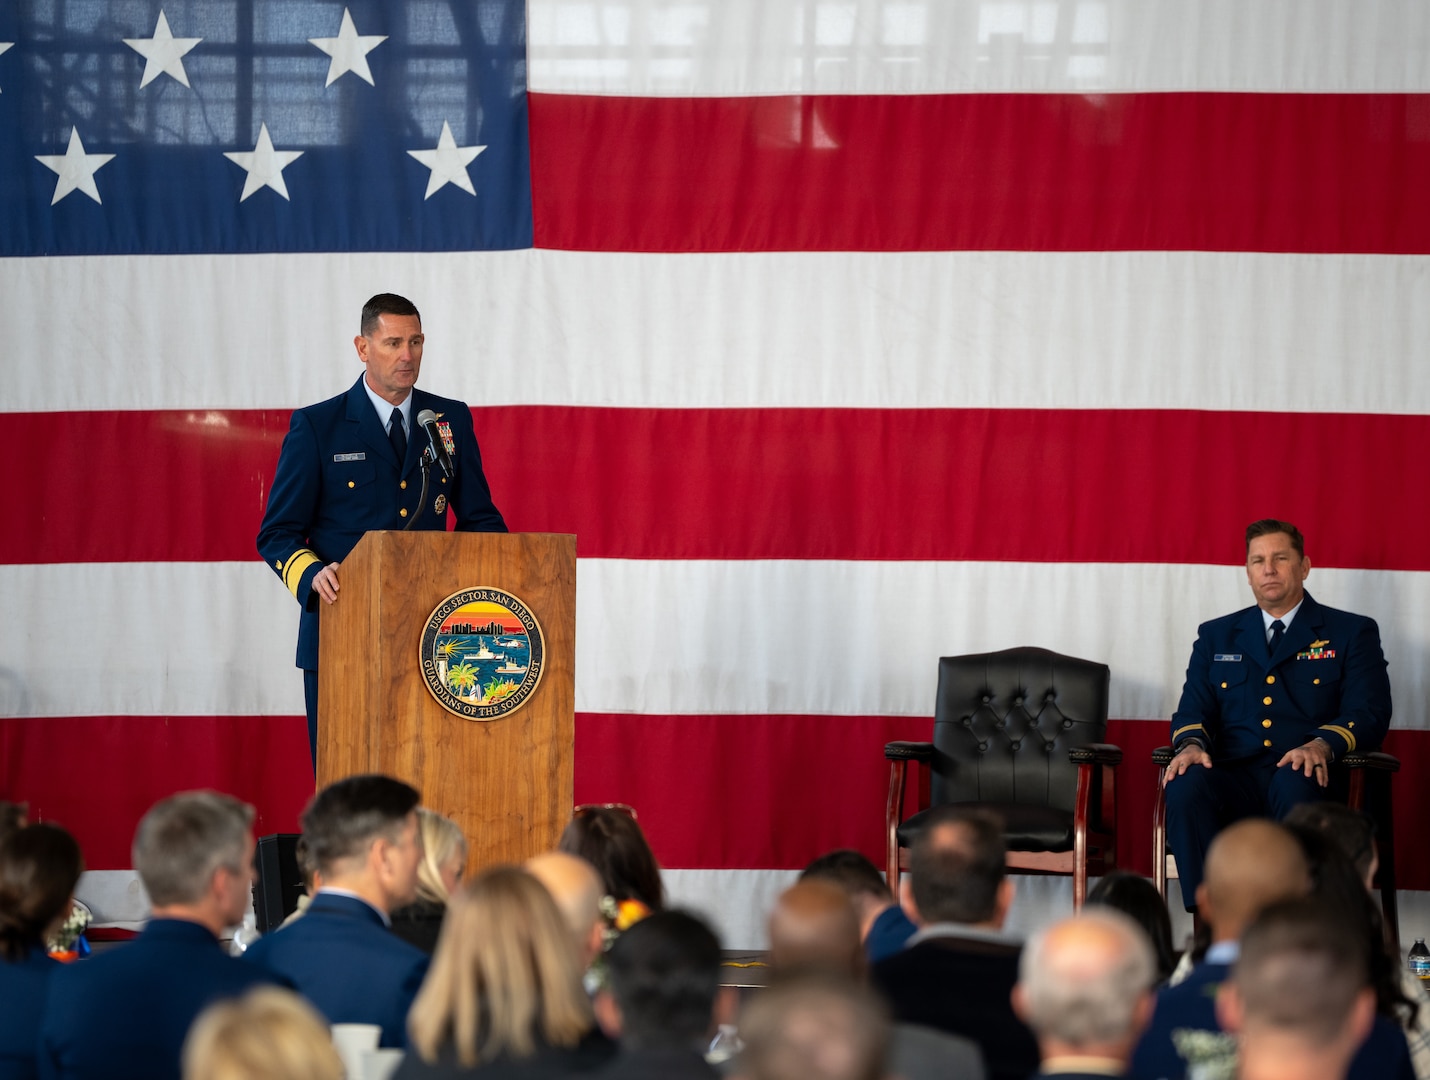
[(345, 817), (956, 865), (1137, 898), (1298, 971), (386, 304), (1269, 527), (851, 870), (612, 842), (12, 817), (811, 1027), (1338, 886), (665, 974), (183, 841), (39, 866), (1352, 831)]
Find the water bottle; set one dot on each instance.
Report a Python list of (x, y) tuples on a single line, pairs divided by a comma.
[(727, 1044), (247, 933), (1419, 960)]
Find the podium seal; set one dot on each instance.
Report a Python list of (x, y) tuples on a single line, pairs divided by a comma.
[(482, 653)]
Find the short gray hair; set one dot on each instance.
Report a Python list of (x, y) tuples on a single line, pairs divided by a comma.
[(1080, 1003), (184, 839)]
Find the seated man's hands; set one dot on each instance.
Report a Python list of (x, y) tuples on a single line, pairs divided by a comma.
[(1314, 759), (1187, 756)]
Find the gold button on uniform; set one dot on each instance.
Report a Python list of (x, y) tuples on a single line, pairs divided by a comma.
[(403, 511), (1223, 686), (1270, 679), (403, 485), (1266, 723), (1315, 682), (1266, 701), (351, 484), (1265, 742)]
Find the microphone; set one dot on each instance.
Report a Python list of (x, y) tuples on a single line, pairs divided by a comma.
[(427, 421)]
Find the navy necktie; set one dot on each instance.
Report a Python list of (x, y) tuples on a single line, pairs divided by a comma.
[(1277, 629), (398, 436)]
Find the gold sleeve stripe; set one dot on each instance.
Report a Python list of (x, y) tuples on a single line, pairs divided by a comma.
[(297, 566), (1345, 733), (1189, 727)]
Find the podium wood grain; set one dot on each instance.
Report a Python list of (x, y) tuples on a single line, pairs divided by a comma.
[(506, 782)]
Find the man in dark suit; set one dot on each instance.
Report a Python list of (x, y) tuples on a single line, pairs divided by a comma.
[(662, 999), (1085, 987), (361, 832), (350, 465), (125, 1012), (1275, 695), (957, 973)]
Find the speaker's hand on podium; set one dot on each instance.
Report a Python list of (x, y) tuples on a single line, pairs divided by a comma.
[(326, 582)]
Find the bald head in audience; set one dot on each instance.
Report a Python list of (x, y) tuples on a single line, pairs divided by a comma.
[(813, 927), (1084, 987), (1250, 865), (814, 1027), (577, 889)]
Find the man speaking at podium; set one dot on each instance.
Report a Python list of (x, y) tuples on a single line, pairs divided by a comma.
[(350, 464)]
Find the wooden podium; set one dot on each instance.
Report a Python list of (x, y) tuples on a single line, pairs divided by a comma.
[(505, 781)]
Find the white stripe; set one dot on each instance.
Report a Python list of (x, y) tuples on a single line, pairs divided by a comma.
[(1169, 330), (736, 903), (677, 637), (695, 48)]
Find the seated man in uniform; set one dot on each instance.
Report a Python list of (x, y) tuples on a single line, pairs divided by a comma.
[(1275, 695)]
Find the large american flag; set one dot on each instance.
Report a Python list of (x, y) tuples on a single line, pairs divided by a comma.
[(844, 334)]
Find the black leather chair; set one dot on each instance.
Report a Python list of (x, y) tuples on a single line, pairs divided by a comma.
[(1369, 791), (1019, 732)]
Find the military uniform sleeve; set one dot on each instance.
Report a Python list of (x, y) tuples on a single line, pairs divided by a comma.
[(472, 499), (292, 507), (1364, 714), (1198, 713)]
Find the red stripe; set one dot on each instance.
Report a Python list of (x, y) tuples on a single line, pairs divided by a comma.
[(974, 484), (97, 775), (1023, 172), (717, 792)]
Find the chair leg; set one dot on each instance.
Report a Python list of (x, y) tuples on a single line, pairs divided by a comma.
[(893, 811), (1159, 838)]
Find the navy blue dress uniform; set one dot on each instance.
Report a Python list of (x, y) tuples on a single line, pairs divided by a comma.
[(342, 957), (23, 983), (1248, 706), (125, 1012), (338, 477)]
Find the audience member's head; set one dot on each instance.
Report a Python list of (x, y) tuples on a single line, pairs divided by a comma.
[(39, 866), (194, 853), (362, 836), (814, 1027), (1139, 900), (13, 815), (860, 879), (611, 840), (268, 1034), (1299, 995), (956, 870), (813, 928), (307, 868), (444, 856), (1084, 985), (577, 889), (664, 979), (505, 979), (1351, 831), (1250, 865)]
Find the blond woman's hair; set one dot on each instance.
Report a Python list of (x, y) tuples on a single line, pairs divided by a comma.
[(441, 836), (505, 977), (268, 1034)]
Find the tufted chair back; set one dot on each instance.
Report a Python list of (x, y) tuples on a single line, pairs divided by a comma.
[(1005, 721)]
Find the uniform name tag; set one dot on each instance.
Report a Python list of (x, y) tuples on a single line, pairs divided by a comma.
[(350, 457), (1233, 656)]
